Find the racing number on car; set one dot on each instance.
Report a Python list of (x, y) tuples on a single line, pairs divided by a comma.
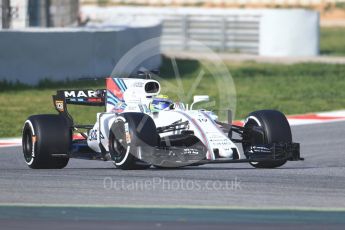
[(202, 120), (93, 135)]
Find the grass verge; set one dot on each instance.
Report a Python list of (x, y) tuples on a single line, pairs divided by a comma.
[(332, 41)]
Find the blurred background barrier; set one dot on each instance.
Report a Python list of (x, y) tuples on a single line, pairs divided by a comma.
[(111, 29), (215, 2), (34, 54), (267, 32), (39, 13), (34, 45)]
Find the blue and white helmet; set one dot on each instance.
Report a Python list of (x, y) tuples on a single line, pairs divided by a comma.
[(160, 103)]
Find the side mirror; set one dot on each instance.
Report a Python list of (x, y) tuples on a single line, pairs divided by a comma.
[(198, 99)]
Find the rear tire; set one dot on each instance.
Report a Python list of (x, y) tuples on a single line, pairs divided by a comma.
[(44, 135), (130, 133), (276, 130)]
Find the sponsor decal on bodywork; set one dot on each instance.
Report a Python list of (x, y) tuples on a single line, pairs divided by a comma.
[(128, 135), (115, 89), (59, 106), (80, 93)]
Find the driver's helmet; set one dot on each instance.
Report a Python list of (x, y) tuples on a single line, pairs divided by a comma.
[(161, 102)]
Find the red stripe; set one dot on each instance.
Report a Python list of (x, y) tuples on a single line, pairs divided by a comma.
[(78, 137), (9, 143), (4, 145), (314, 117), (238, 123), (114, 88)]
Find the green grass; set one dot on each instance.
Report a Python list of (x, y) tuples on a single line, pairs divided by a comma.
[(332, 41), (293, 89)]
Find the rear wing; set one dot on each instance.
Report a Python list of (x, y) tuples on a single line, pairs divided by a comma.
[(81, 97), (77, 97), (119, 93)]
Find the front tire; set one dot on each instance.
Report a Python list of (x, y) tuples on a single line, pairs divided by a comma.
[(43, 136), (276, 130), (130, 134)]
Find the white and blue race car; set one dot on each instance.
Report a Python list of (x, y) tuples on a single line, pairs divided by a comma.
[(139, 129)]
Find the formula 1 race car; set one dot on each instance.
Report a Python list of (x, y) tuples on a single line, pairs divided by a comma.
[(140, 129)]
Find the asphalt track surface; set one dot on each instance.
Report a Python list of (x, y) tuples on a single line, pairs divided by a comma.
[(90, 194)]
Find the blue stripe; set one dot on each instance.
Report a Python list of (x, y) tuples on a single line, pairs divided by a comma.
[(124, 84), (111, 103), (111, 95), (120, 84), (117, 82), (112, 100), (123, 106)]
